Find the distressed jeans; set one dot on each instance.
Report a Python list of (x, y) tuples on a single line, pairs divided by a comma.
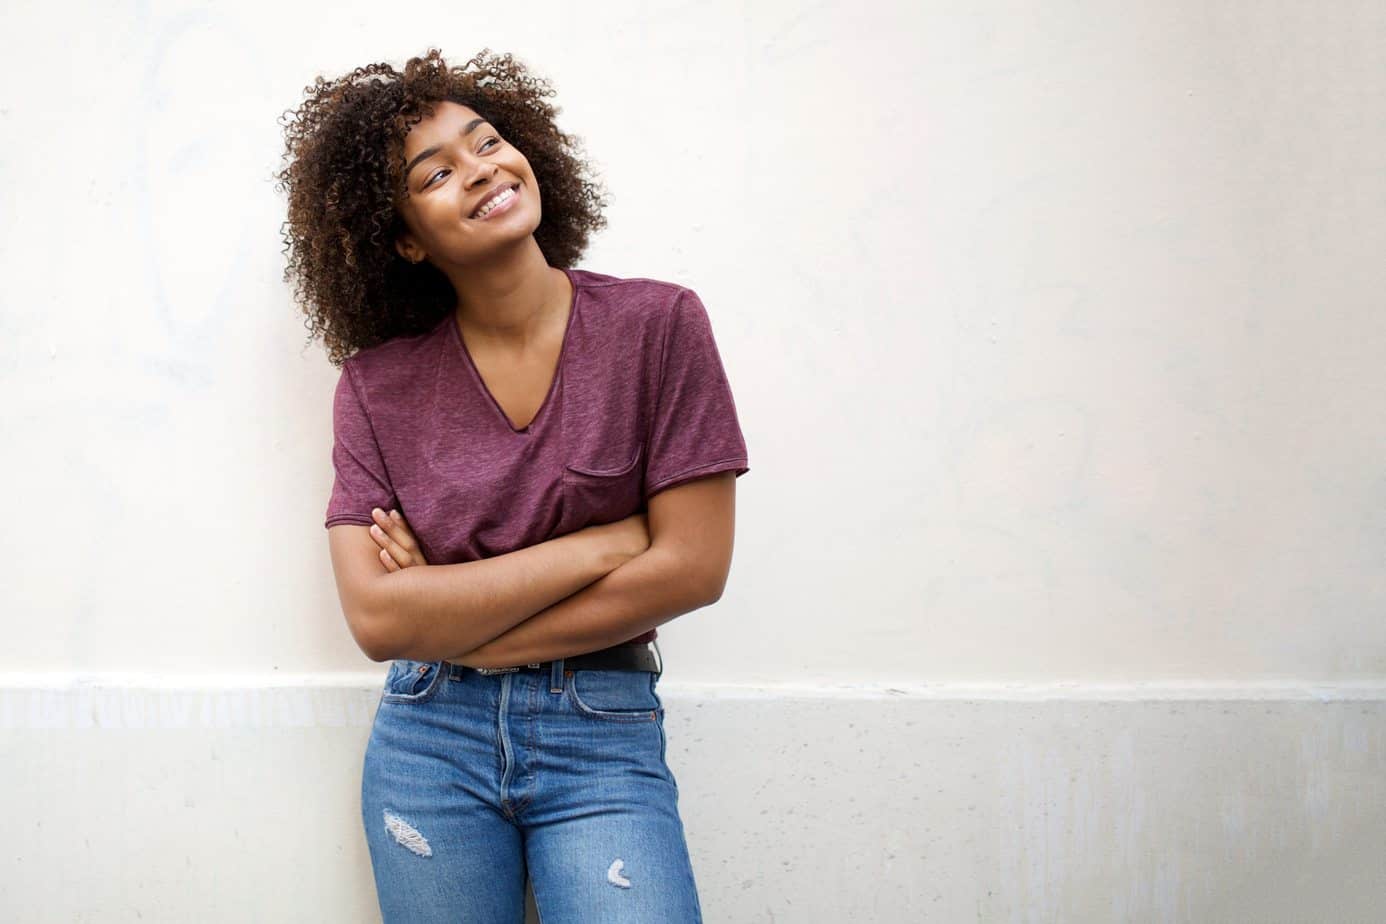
[(471, 782)]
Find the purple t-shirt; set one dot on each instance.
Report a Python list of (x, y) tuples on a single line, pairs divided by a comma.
[(640, 402)]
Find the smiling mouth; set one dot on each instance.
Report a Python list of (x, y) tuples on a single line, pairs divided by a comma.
[(478, 215)]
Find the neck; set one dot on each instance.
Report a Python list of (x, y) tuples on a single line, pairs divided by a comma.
[(512, 297)]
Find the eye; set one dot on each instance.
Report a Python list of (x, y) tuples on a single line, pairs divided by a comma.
[(444, 170)]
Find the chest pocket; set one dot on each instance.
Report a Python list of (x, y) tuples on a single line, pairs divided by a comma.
[(598, 492), (603, 462)]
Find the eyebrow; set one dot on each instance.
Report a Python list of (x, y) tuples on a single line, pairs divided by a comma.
[(426, 153)]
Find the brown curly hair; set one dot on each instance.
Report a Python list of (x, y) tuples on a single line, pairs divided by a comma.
[(344, 153)]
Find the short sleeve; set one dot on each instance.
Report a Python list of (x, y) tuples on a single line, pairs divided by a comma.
[(361, 481), (695, 431)]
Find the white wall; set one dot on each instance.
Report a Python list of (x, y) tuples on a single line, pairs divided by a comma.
[(1056, 332)]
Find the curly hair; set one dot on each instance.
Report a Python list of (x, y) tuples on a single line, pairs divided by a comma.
[(344, 153)]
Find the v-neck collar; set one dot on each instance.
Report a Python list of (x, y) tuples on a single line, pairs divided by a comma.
[(557, 369)]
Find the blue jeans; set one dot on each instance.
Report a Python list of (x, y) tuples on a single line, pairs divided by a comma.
[(473, 781)]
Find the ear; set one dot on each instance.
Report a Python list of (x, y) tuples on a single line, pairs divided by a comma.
[(408, 249)]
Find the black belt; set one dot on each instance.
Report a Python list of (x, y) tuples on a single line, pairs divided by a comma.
[(617, 658)]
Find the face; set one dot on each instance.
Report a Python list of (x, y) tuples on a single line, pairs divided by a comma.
[(455, 161)]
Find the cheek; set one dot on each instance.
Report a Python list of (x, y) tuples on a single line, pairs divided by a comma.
[(519, 166), (438, 214)]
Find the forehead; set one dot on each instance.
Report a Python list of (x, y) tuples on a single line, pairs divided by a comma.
[(447, 120)]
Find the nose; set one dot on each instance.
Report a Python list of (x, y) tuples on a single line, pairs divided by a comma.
[(485, 171)]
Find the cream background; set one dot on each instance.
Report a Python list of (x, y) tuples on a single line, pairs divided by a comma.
[(1056, 332)]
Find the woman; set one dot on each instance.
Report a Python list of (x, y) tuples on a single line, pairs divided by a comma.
[(534, 467)]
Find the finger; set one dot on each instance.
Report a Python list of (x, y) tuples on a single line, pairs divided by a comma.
[(389, 562), (391, 547), (408, 540), (397, 529), (383, 520)]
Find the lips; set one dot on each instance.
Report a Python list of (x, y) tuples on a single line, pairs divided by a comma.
[(482, 204)]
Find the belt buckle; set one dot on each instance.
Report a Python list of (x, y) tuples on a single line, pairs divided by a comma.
[(504, 670)]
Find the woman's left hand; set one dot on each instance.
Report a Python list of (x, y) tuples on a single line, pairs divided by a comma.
[(398, 547)]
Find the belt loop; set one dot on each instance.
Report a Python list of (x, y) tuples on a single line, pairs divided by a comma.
[(556, 675)]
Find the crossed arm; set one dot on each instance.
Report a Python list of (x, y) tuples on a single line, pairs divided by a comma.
[(685, 567)]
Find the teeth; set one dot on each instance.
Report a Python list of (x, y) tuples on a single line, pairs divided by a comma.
[(499, 200)]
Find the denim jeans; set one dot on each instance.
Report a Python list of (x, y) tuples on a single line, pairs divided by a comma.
[(474, 781)]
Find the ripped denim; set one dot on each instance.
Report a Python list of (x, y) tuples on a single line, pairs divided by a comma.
[(474, 782)]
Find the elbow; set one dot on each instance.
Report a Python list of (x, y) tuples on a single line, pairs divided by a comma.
[(711, 587), (704, 580), (373, 643), (376, 647), (373, 634)]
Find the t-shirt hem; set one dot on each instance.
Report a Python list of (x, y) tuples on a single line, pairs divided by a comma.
[(357, 518), (736, 464)]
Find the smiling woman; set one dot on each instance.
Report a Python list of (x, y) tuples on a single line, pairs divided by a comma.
[(464, 171), (534, 466), (356, 161)]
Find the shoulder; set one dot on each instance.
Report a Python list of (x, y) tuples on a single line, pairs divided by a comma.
[(395, 362), (631, 298)]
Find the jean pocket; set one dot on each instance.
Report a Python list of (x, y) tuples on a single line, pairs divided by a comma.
[(615, 695), (411, 681)]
